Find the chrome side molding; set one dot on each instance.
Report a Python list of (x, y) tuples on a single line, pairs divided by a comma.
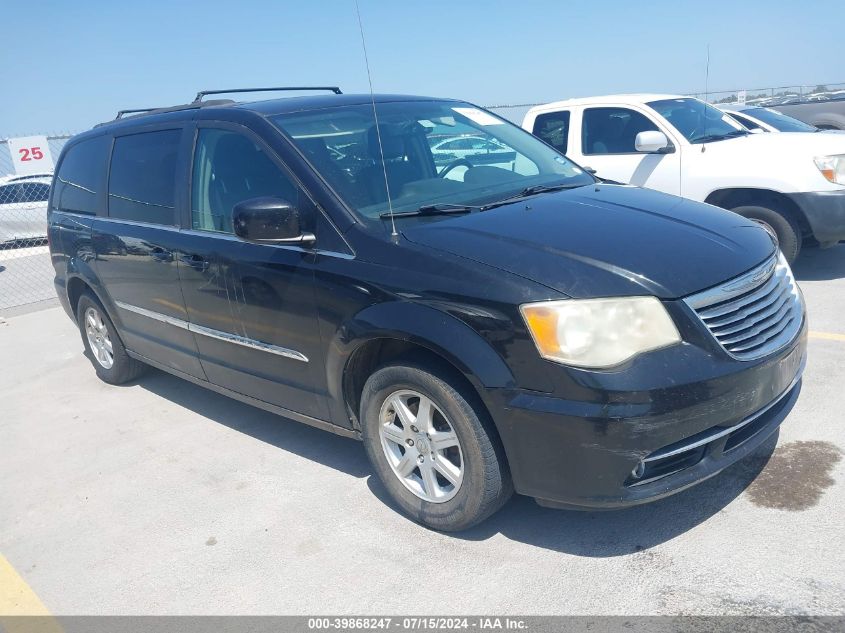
[(212, 333)]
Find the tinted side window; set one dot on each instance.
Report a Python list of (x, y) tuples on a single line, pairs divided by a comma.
[(9, 194), (612, 130), (82, 176), (553, 127), (142, 180), (34, 192), (228, 169)]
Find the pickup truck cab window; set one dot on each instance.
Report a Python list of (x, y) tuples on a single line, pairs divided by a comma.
[(553, 127), (612, 130)]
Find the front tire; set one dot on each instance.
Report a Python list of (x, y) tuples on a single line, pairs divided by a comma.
[(103, 345), (784, 228), (433, 447)]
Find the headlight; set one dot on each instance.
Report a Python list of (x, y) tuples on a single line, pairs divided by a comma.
[(832, 168), (598, 332)]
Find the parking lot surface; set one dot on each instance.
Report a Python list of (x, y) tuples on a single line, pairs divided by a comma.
[(161, 497), (26, 276)]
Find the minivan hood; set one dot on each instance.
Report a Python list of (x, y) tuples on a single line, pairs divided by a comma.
[(605, 240)]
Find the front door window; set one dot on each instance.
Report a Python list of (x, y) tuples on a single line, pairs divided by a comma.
[(228, 169)]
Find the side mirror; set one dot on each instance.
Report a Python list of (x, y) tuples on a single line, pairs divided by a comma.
[(652, 142), (269, 221), (758, 130)]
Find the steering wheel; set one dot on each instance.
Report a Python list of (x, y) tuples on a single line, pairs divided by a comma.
[(455, 163)]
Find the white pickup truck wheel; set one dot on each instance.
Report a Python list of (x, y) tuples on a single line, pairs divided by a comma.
[(784, 229)]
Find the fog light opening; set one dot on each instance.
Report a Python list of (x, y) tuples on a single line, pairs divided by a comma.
[(639, 470)]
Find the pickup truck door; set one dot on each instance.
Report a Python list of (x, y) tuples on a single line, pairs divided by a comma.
[(602, 138)]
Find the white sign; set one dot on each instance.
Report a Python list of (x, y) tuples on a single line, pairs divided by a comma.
[(31, 155), (740, 97)]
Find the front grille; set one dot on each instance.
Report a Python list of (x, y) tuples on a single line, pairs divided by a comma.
[(754, 314)]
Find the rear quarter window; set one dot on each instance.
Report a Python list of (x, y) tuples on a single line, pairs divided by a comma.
[(81, 178), (553, 128), (142, 178)]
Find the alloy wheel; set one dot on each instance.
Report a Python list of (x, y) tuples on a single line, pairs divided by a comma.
[(99, 341), (421, 446)]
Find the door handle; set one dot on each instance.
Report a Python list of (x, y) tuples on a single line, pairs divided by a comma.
[(161, 254), (197, 262)]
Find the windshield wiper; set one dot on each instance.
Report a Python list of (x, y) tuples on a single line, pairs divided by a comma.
[(530, 191), (720, 137), (441, 208), (446, 208)]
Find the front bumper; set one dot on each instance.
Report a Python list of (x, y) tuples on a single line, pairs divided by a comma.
[(825, 213), (708, 413)]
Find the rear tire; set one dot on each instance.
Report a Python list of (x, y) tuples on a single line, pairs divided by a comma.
[(451, 488), (784, 228), (103, 345)]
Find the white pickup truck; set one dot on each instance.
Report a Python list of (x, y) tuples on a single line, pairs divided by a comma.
[(792, 183)]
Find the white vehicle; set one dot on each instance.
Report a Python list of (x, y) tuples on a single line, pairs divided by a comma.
[(792, 183), (765, 119), (23, 208)]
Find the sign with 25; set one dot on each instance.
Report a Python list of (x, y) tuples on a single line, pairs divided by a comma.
[(31, 155)]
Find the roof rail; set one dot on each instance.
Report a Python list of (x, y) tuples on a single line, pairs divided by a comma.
[(176, 108), (120, 113), (203, 93)]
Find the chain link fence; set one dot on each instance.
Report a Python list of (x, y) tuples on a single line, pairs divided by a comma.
[(773, 96), (26, 273), (778, 95)]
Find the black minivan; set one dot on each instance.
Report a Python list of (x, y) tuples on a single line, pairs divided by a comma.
[(423, 275)]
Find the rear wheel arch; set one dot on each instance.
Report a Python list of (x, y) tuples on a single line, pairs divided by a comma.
[(75, 287)]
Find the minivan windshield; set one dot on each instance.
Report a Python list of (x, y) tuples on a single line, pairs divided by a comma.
[(425, 155), (699, 122)]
